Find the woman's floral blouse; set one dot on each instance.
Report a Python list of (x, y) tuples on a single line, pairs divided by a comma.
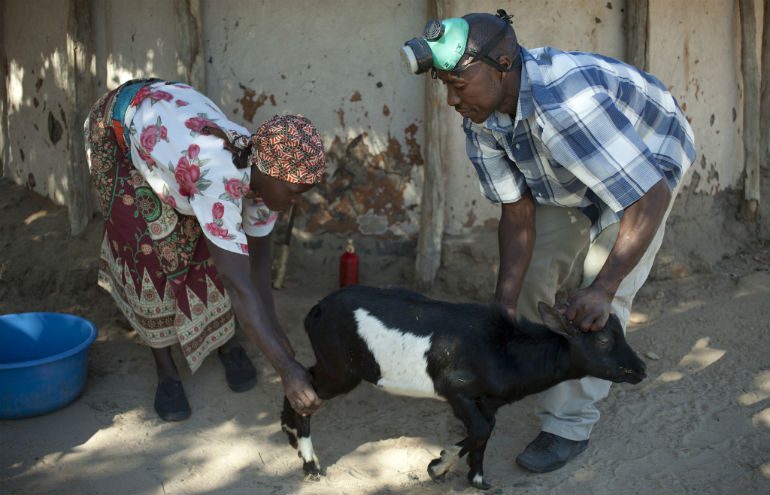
[(192, 171)]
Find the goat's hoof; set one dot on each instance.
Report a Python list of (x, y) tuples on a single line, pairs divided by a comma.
[(434, 475), (312, 471), (312, 476), (477, 481)]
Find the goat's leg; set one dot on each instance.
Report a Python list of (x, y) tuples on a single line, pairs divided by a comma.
[(440, 466), (479, 429), (488, 409), (297, 428)]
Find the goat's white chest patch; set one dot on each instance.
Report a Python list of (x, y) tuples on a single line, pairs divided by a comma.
[(400, 355)]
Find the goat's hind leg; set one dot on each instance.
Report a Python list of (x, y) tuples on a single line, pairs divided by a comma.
[(440, 466), (297, 428), (479, 428)]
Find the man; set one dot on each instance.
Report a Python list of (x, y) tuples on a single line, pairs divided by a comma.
[(585, 154)]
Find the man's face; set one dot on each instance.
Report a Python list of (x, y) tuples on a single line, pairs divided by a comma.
[(476, 92)]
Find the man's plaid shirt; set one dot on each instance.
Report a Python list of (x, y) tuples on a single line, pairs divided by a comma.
[(589, 132)]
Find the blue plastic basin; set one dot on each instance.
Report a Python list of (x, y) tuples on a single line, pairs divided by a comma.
[(43, 361)]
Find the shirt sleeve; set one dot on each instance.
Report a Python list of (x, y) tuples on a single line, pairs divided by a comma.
[(258, 220), (591, 137), (499, 179)]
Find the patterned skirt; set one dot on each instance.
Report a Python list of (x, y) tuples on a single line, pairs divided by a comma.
[(154, 260)]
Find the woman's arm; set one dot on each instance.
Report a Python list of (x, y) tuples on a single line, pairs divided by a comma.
[(254, 309), (261, 269)]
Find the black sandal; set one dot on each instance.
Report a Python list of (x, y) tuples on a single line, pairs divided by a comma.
[(239, 372), (170, 401)]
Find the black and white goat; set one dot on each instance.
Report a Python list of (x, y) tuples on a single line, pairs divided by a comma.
[(471, 355)]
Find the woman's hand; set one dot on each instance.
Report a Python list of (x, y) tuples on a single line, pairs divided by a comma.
[(298, 389)]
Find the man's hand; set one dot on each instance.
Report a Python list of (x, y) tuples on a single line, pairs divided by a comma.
[(588, 309), (299, 391)]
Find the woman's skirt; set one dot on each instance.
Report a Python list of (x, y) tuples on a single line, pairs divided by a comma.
[(154, 260)]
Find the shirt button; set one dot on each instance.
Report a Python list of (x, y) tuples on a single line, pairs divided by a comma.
[(518, 146)]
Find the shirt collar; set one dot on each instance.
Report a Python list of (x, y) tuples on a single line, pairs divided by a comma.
[(501, 122)]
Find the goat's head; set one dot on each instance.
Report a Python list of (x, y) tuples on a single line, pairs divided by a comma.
[(604, 354)]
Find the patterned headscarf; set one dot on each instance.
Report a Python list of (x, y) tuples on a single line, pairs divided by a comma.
[(289, 148)]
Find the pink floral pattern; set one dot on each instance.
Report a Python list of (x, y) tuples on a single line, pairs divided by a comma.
[(235, 189), (191, 171), (188, 173), (151, 134), (187, 176), (154, 96), (147, 158), (196, 124), (216, 227)]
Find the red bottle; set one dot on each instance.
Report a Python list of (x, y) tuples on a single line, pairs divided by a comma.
[(349, 265)]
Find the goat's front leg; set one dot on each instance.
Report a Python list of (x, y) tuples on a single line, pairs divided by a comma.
[(479, 429), (488, 409), (297, 428)]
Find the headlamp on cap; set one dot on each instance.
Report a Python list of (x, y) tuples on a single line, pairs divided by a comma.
[(440, 47), (444, 43)]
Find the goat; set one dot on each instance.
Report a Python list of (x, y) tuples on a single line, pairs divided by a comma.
[(473, 356)]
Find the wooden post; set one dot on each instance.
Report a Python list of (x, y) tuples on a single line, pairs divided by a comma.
[(81, 94), (751, 101), (435, 177), (764, 99), (189, 56), (637, 26), (4, 146)]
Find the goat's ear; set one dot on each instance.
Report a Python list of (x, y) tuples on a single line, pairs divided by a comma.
[(554, 320)]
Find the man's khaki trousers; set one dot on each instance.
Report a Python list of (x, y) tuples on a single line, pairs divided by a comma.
[(569, 409)]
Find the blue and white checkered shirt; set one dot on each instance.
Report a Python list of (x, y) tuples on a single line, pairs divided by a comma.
[(590, 132)]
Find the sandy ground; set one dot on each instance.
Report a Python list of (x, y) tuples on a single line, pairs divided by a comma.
[(699, 424)]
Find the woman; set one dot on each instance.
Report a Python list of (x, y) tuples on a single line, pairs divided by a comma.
[(188, 198)]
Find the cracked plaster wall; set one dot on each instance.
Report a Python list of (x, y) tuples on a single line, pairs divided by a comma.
[(337, 62)]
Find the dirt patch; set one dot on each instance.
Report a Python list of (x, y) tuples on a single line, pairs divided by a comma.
[(699, 424)]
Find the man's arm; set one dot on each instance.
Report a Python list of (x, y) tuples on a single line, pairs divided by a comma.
[(256, 315), (516, 239), (589, 308)]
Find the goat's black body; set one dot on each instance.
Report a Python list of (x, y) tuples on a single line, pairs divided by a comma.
[(460, 333), (477, 360)]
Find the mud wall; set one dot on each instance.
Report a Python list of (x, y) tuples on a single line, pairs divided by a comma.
[(695, 51), (337, 62), (37, 107), (703, 75), (581, 25), (345, 75)]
